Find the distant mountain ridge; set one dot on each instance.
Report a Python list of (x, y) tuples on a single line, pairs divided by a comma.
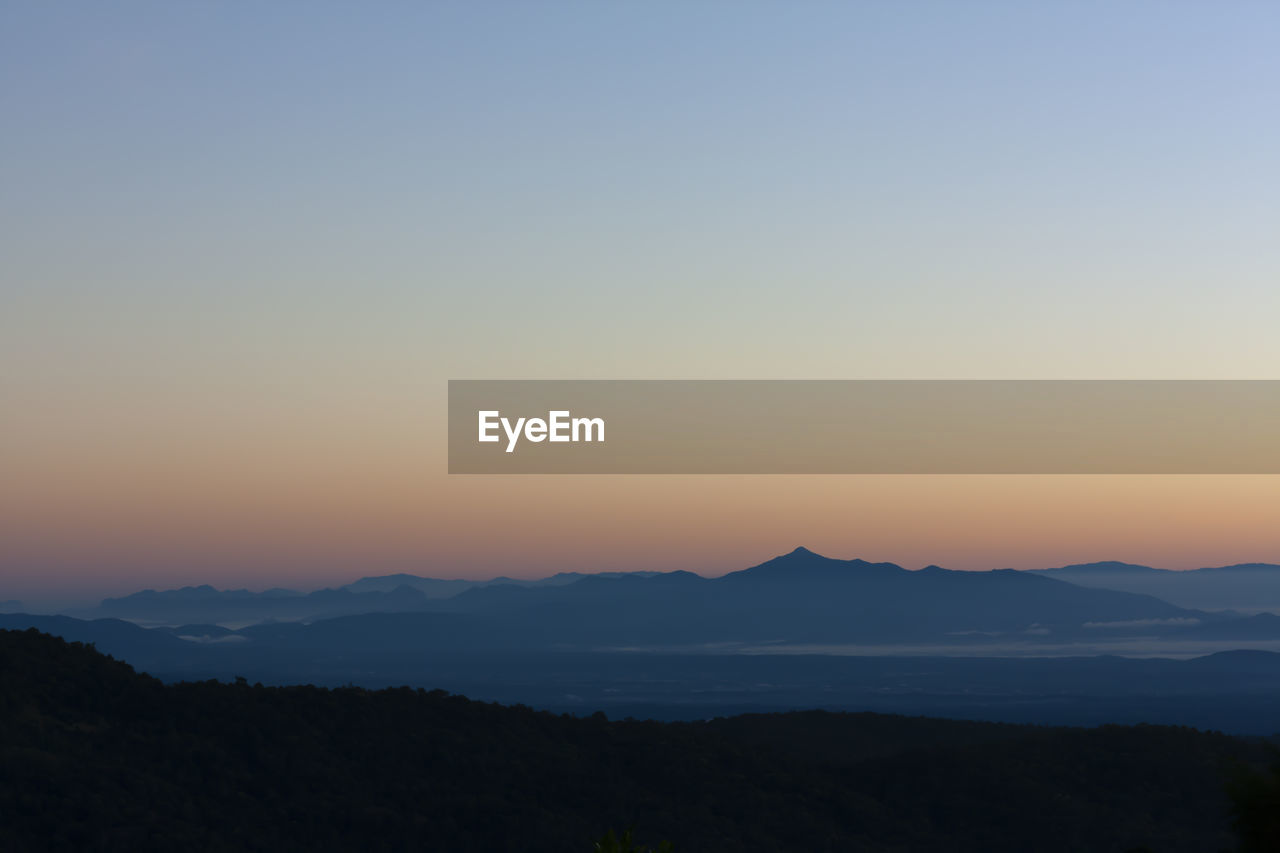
[(377, 594), (204, 604), (1138, 568), (1103, 567), (799, 629), (1247, 587), (804, 597), (445, 588)]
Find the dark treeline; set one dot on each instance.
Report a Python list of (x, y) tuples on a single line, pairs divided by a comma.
[(94, 756)]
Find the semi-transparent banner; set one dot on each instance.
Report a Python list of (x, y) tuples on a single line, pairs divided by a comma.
[(864, 427)]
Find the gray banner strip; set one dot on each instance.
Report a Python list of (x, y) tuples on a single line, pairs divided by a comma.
[(864, 427)]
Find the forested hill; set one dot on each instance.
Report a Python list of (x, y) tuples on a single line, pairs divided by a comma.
[(96, 757)]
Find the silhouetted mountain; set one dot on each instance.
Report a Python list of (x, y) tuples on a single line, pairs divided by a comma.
[(204, 604), (98, 757), (797, 597), (437, 588), (803, 597), (1105, 568), (238, 607), (110, 636), (662, 642), (805, 565), (800, 597), (430, 587), (1248, 587)]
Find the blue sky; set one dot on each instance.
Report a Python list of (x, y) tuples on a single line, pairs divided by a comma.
[(264, 235)]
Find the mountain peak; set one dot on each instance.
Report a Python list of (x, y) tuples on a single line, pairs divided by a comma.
[(802, 562)]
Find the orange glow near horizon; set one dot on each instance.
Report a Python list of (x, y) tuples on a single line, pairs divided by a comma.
[(236, 276), (265, 528)]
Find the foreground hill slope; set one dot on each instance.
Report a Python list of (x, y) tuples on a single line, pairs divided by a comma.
[(95, 756)]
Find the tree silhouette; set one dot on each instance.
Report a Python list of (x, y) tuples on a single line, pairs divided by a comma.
[(1255, 805), (625, 843)]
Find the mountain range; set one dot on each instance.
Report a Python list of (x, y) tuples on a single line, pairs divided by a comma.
[(1247, 587), (799, 630), (799, 600), (238, 607)]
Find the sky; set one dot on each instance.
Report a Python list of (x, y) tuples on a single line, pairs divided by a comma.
[(244, 246)]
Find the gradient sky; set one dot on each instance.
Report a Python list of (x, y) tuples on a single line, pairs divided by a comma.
[(243, 246)]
